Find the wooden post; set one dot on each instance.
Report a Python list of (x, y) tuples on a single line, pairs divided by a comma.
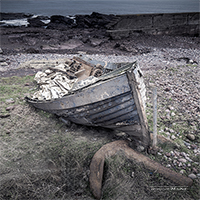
[(154, 117)]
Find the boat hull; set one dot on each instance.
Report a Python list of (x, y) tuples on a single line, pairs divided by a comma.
[(114, 103)]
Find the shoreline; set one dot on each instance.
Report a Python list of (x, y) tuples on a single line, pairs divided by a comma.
[(89, 36)]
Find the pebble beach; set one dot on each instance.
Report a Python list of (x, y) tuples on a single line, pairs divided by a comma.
[(157, 58)]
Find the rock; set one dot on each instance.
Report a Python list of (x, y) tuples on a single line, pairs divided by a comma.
[(168, 165), (10, 100), (193, 146), (61, 20), (183, 154), (175, 157), (167, 89), (1, 51), (117, 45), (194, 170), (168, 116), (165, 157), (35, 22), (190, 61), (175, 162), (172, 153), (182, 160), (186, 143), (32, 50), (9, 108), (182, 171), (198, 175), (192, 176), (167, 133), (168, 154), (4, 64), (189, 165), (167, 111), (170, 107), (176, 153), (1, 59), (195, 151), (124, 48), (191, 137), (173, 114), (4, 116), (140, 148), (190, 160), (180, 164), (95, 20), (173, 137), (82, 52), (85, 40), (171, 130), (95, 42)]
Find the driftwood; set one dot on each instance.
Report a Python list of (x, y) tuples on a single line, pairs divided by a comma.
[(97, 165), (78, 59), (69, 74)]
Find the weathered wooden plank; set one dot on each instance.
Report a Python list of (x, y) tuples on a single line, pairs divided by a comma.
[(119, 118), (113, 111), (96, 107), (140, 108), (119, 115), (97, 92), (154, 117)]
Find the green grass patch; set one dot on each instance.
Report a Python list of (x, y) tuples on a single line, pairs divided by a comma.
[(14, 87)]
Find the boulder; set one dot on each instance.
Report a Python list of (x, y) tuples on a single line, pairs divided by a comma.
[(60, 22), (95, 20), (191, 137), (9, 108), (192, 176), (35, 22)]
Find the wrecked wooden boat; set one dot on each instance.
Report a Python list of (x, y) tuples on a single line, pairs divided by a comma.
[(115, 100)]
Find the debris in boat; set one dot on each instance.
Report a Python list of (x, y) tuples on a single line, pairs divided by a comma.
[(110, 149), (57, 81), (84, 83)]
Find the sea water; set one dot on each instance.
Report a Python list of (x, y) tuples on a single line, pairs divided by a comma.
[(73, 7)]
